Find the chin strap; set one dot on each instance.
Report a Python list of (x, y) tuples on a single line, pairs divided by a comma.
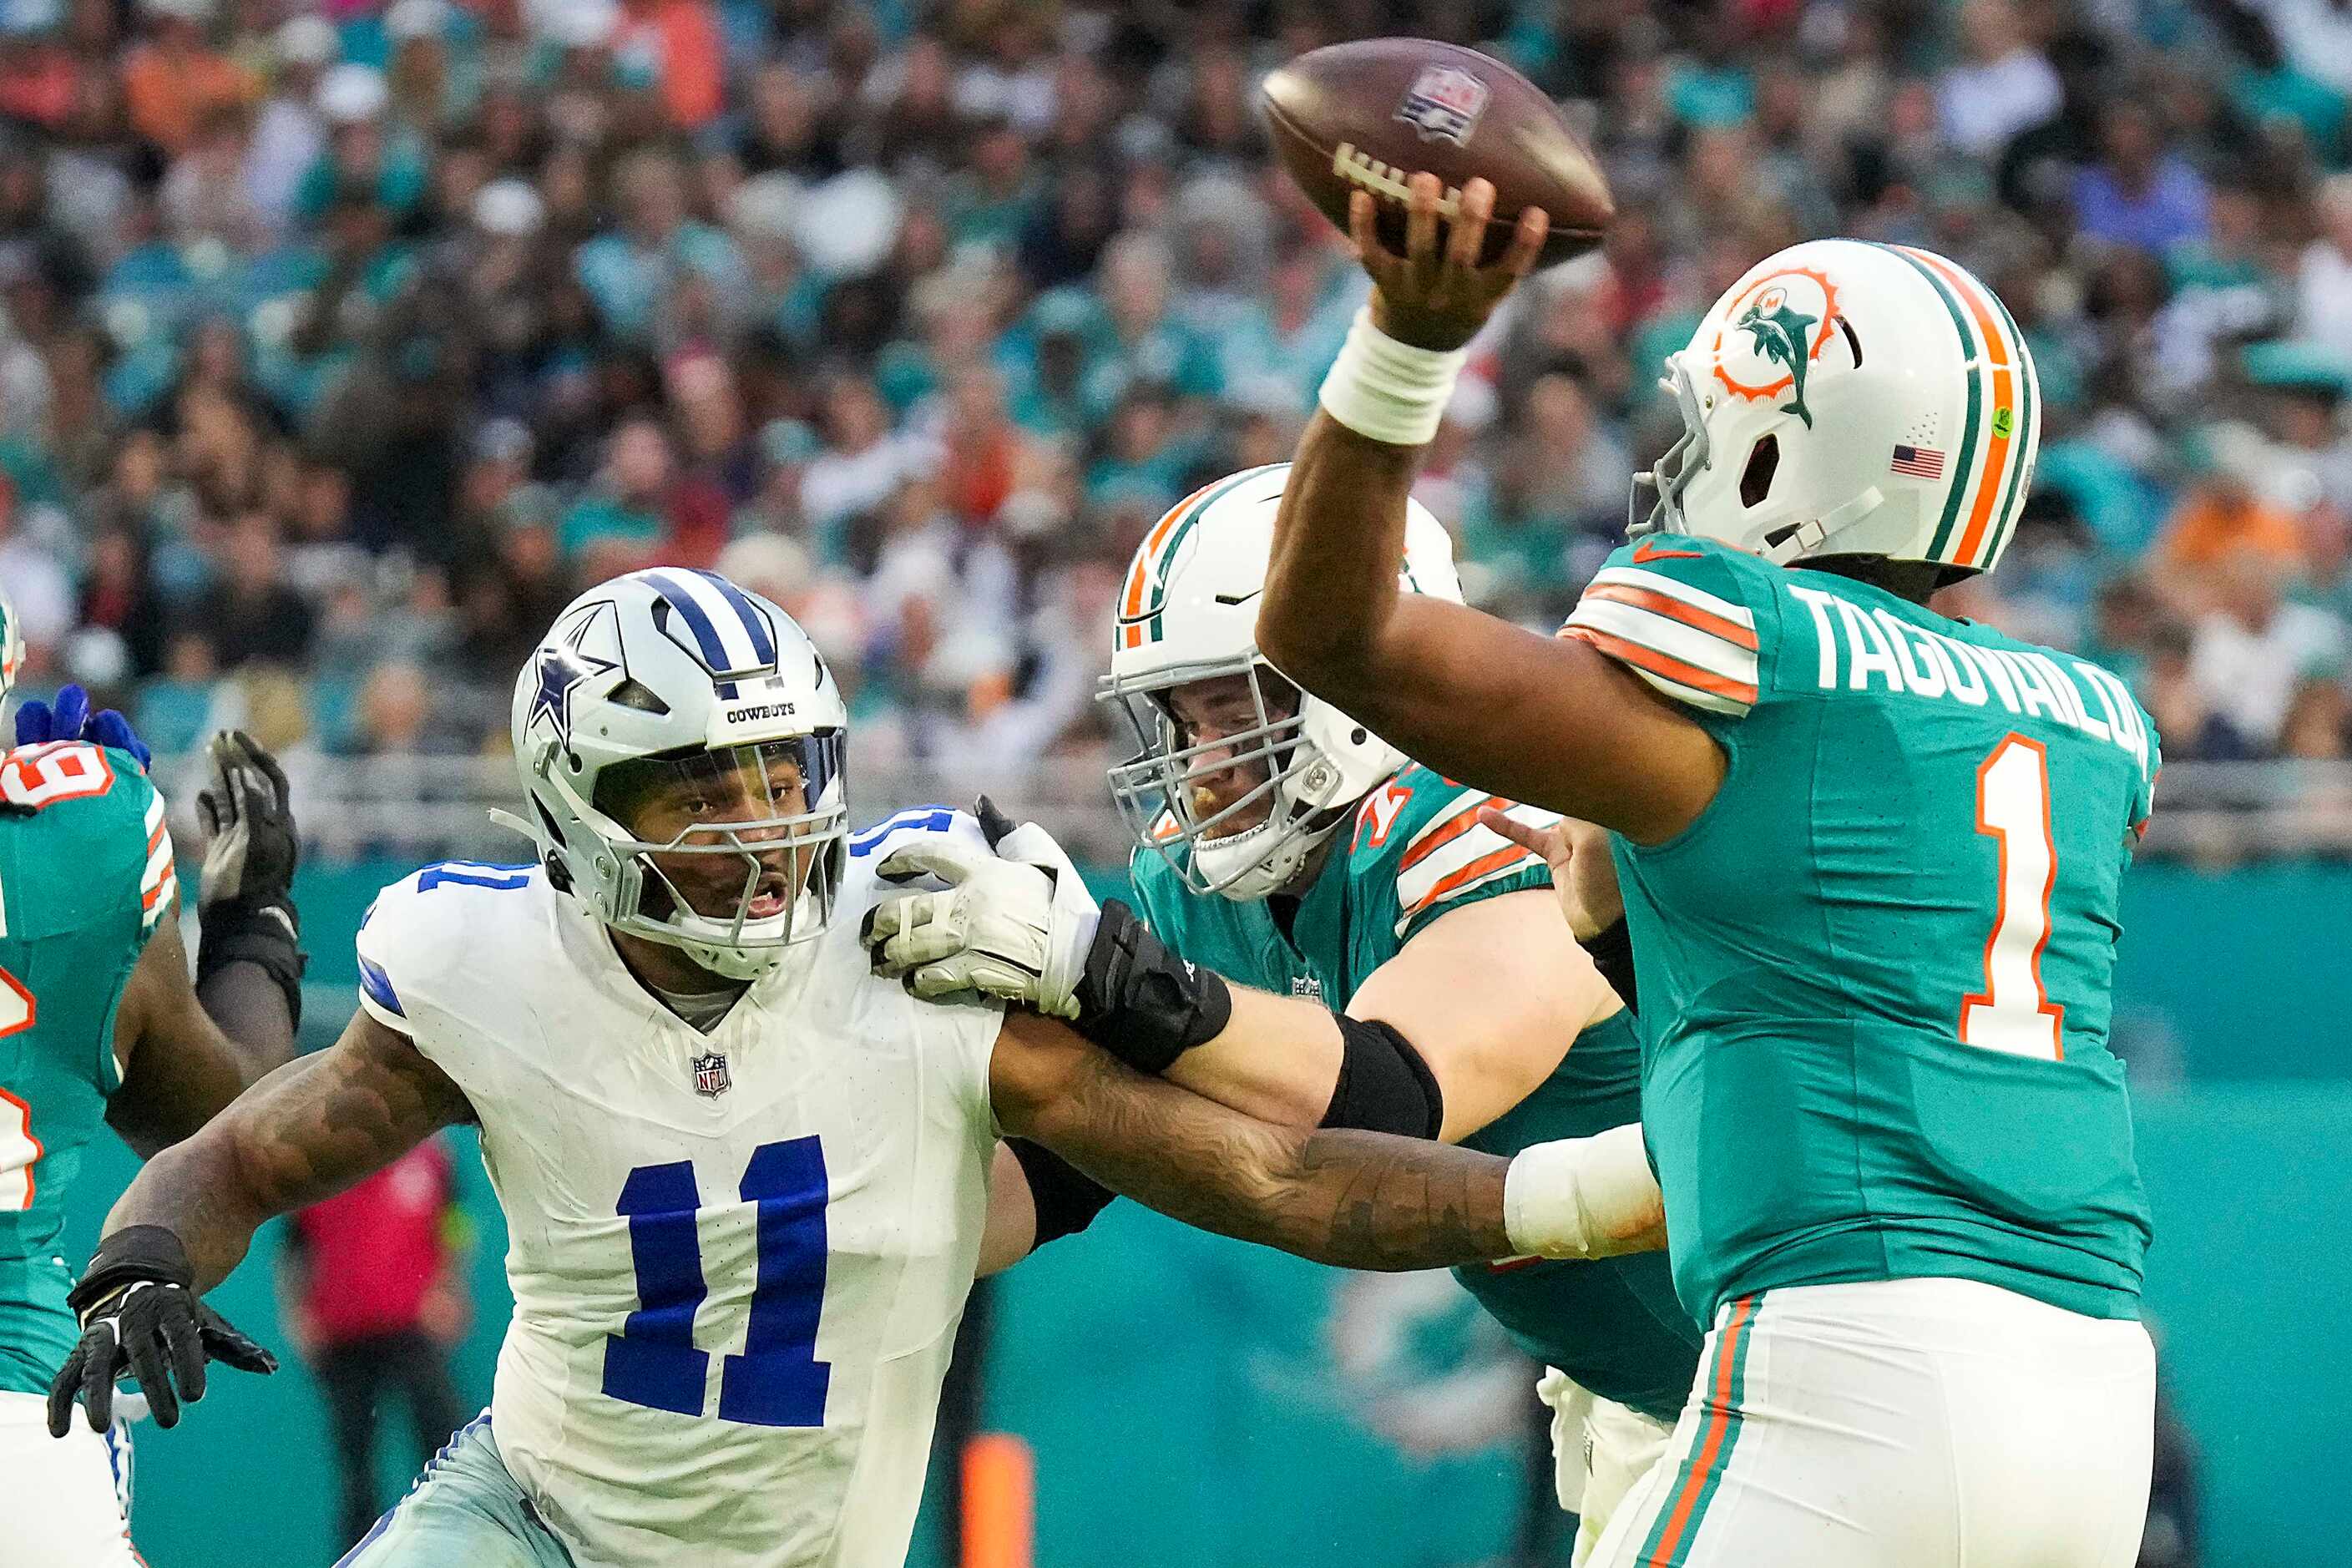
[(1810, 536)]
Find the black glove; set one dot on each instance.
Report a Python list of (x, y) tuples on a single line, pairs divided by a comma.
[(245, 905), (1142, 1001), (140, 1313)]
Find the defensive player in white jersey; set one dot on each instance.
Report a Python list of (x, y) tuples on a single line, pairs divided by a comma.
[(747, 1184)]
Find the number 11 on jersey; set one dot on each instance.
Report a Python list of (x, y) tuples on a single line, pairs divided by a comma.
[(777, 1381), (2014, 1013)]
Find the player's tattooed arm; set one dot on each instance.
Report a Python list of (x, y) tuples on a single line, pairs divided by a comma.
[(1357, 1200), (305, 1132)]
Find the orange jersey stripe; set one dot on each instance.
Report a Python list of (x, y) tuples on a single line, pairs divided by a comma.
[(1665, 665), (1486, 865), (1666, 604), (1997, 450), (1718, 1422), (1447, 832)]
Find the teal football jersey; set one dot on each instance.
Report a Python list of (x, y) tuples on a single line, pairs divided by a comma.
[(1876, 972), (85, 874), (1418, 853)]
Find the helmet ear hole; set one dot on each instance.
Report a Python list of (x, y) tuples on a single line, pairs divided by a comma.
[(1756, 479)]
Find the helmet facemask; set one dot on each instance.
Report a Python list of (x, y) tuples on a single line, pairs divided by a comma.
[(1676, 466), (676, 828), (1245, 846)]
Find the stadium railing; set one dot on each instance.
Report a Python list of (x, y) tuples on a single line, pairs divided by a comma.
[(418, 807)]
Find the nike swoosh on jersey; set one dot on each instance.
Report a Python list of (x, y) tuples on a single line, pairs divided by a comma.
[(1649, 550)]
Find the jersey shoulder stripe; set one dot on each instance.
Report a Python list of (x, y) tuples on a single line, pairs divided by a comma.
[(1676, 618), (1454, 856), (159, 883)]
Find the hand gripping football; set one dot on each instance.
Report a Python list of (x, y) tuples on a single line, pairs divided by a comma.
[(1368, 115)]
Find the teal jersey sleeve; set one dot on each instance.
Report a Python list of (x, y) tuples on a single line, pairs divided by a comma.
[(86, 875), (1419, 853), (1698, 621)]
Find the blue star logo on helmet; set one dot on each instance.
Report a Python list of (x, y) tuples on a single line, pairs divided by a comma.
[(563, 664)]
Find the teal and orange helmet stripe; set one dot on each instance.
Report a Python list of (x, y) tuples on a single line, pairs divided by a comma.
[(1145, 593), (1701, 1474), (2003, 399)]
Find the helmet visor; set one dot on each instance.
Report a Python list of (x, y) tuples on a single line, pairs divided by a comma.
[(737, 845)]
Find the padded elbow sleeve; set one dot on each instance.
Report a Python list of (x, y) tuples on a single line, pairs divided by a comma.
[(1384, 1086), (1066, 1198)]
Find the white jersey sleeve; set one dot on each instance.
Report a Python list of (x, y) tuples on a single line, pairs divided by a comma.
[(421, 953), (973, 1041)]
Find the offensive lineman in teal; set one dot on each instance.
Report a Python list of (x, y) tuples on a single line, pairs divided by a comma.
[(99, 1020), (1285, 847), (1871, 857)]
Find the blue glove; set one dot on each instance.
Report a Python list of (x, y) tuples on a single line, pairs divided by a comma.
[(71, 720)]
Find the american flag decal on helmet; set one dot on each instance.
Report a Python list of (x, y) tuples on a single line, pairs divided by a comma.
[(1919, 462)]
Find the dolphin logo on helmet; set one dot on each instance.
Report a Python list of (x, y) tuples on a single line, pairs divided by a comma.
[(1850, 398)]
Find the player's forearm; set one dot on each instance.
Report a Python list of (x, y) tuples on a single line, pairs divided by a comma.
[(1356, 1200), (199, 1190), (305, 1132), (250, 1011), (1277, 1059), (1331, 583)]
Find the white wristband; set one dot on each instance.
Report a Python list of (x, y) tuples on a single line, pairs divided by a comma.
[(1390, 391), (1582, 1197)]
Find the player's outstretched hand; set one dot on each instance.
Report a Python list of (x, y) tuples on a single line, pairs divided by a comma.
[(1583, 874), (70, 719), (140, 1314), (1436, 296), (251, 843), (1014, 924)]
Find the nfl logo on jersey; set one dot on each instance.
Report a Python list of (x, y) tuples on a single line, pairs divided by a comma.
[(710, 1076), (1444, 103)]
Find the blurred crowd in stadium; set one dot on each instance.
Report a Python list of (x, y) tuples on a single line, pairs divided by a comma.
[(342, 342)]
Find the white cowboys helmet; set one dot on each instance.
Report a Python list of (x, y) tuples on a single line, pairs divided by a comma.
[(669, 675), (1848, 398), (1188, 612)]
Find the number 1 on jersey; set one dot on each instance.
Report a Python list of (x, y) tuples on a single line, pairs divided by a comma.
[(2014, 1013)]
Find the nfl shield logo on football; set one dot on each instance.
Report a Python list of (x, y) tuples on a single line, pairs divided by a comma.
[(1443, 101), (710, 1076)]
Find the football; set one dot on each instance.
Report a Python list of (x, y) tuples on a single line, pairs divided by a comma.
[(1368, 115)]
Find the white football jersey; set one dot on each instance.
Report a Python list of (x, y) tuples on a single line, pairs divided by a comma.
[(737, 1258)]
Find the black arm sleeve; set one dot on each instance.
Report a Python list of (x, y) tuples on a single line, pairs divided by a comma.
[(250, 963), (1612, 954), (1065, 1200), (1384, 1085)]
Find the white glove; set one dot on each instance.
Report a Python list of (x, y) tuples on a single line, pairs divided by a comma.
[(1584, 1197), (1014, 924)]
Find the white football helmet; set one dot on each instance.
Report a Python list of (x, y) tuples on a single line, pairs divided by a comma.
[(1848, 398), (667, 676), (1188, 612)]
